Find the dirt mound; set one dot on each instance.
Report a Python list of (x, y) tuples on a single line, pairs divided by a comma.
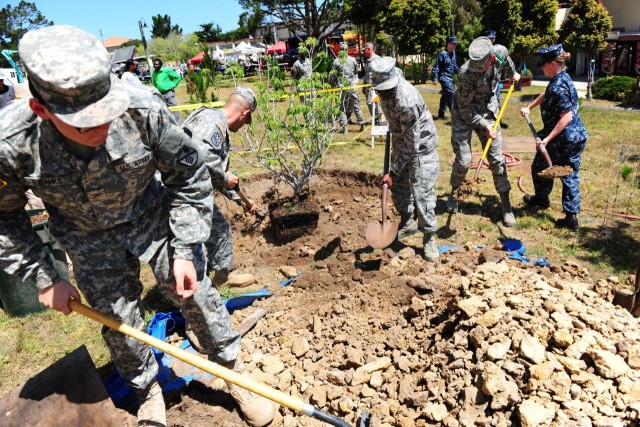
[(473, 339), (556, 172)]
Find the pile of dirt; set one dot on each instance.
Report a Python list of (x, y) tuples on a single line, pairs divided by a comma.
[(474, 339), (556, 172)]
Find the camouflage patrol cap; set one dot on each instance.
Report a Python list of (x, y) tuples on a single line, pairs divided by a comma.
[(249, 96), (480, 52), (71, 71), (383, 73)]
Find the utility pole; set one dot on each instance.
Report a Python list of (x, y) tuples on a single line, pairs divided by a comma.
[(144, 45)]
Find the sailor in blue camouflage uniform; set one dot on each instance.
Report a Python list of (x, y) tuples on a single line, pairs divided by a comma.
[(346, 69), (475, 109), (210, 127), (443, 70), (564, 135), (89, 147), (504, 63), (414, 165)]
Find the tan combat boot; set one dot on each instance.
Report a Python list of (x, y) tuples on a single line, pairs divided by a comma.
[(152, 411), (258, 411)]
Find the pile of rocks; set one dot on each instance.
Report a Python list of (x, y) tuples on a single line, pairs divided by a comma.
[(494, 344)]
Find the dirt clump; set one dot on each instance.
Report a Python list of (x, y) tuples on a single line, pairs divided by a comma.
[(555, 172), (468, 188)]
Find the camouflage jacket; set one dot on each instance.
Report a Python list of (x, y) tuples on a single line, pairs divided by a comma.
[(347, 69), (367, 69), (209, 128), (475, 98), (113, 197), (411, 125), (301, 69)]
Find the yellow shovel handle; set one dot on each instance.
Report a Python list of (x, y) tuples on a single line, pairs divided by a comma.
[(495, 127)]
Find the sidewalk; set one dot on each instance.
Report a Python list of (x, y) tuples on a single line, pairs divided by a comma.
[(580, 83)]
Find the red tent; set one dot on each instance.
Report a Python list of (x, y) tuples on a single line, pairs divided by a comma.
[(279, 47), (198, 58)]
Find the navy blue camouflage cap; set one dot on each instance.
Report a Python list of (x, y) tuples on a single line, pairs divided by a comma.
[(480, 52), (384, 75), (71, 71), (249, 96), (452, 39), (490, 34), (548, 54)]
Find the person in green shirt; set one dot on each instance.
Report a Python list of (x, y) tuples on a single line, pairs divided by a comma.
[(165, 80)]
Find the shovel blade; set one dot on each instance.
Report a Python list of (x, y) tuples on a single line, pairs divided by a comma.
[(381, 235)]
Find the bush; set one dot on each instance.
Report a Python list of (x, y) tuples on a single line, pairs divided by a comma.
[(631, 98), (612, 88), (417, 71)]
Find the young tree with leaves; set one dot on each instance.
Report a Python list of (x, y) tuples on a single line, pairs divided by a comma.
[(585, 29)]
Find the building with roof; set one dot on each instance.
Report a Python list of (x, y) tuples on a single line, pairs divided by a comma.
[(113, 43)]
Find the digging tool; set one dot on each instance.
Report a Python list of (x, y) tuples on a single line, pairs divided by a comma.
[(260, 216), (542, 149), (381, 235), (495, 127), (284, 399)]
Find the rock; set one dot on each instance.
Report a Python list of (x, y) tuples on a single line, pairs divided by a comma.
[(271, 364), (377, 365), (319, 396), (376, 380), (633, 359), (498, 350), (471, 306), (531, 349), (435, 412), (609, 365), (489, 254), (562, 338), (490, 318), (299, 346), (288, 271), (533, 413), (407, 253), (240, 280)]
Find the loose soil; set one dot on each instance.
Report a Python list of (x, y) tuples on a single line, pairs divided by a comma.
[(456, 342), (468, 188), (39, 217), (556, 172)]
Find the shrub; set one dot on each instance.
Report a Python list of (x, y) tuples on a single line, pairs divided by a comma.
[(612, 88), (417, 71), (631, 98)]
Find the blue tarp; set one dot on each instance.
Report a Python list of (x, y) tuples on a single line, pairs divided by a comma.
[(161, 326)]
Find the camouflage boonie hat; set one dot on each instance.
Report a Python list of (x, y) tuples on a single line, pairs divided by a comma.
[(249, 96), (71, 71), (383, 73), (480, 51)]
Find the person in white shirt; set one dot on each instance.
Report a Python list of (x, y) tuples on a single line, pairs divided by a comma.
[(7, 93), (130, 75)]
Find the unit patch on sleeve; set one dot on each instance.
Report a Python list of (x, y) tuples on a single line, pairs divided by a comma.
[(188, 156), (217, 139)]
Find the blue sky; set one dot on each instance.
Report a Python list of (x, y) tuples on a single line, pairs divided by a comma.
[(120, 17)]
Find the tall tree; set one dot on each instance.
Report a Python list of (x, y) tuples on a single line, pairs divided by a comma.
[(419, 27), (367, 16), (249, 22), (15, 21), (466, 24), (524, 26), (210, 33), (162, 26), (176, 47), (585, 29), (317, 19)]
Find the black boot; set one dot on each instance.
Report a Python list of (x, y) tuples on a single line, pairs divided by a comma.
[(503, 125), (570, 222), (537, 201), (362, 126)]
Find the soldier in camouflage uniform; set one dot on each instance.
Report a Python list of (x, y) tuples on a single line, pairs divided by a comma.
[(302, 67), (414, 160), (210, 127), (475, 108), (564, 135), (369, 55), (89, 148), (504, 63), (346, 68), (443, 70)]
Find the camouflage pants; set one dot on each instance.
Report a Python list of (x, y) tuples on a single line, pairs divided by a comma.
[(220, 244), (446, 99), (414, 188), (107, 274), (562, 154), (461, 143), (370, 94), (349, 104)]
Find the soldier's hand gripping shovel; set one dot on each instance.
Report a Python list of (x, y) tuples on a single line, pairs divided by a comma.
[(381, 235), (284, 399), (260, 216), (552, 171)]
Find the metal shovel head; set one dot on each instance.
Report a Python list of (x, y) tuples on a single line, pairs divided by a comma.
[(381, 235)]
